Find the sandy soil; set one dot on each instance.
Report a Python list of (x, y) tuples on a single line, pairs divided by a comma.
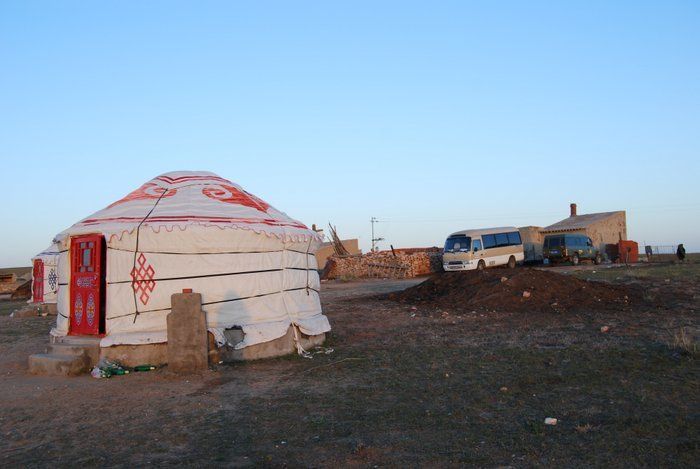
[(407, 385)]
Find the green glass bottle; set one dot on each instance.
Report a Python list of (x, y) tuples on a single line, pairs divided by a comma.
[(144, 368)]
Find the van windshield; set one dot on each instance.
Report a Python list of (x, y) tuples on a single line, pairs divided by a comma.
[(458, 243), (554, 241)]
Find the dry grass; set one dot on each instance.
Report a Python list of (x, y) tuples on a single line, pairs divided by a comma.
[(404, 387), (684, 342), (584, 428), (661, 272)]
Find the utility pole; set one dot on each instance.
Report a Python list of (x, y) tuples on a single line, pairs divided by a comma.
[(373, 220)]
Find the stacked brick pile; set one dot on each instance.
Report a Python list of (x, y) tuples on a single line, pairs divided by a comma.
[(402, 263)]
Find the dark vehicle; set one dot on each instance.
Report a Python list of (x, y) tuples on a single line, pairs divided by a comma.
[(570, 247)]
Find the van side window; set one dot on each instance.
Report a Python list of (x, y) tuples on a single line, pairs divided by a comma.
[(476, 245), (489, 241), (514, 238), (501, 239)]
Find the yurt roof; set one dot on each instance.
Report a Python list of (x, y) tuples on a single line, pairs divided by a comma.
[(51, 251), (190, 198)]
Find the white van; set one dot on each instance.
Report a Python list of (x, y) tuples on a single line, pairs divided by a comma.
[(486, 247)]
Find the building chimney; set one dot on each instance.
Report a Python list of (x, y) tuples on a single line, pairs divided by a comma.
[(573, 210)]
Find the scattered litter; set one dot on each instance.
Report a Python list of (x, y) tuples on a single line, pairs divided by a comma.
[(504, 389), (504, 279), (97, 372), (526, 294), (108, 368), (550, 421), (322, 350), (413, 315), (144, 368), (414, 308), (111, 368), (604, 329)]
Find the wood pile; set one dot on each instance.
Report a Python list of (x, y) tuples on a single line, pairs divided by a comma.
[(400, 263)]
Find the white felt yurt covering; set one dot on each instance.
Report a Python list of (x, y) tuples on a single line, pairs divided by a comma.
[(49, 258), (254, 266)]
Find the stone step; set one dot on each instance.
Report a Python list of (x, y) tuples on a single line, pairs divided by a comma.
[(78, 340), (58, 365), (91, 351)]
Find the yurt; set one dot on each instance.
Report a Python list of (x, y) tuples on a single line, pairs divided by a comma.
[(253, 265), (45, 278)]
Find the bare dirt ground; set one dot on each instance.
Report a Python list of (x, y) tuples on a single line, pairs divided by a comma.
[(407, 385)]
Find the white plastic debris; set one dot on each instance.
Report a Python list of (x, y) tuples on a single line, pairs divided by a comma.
[(604, 329), (526, 294), (550, 421)]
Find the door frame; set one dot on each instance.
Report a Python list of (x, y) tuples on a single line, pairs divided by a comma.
[(38, 283), (99, 257)]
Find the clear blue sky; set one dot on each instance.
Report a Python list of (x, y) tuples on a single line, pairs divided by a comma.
[(432, 116)]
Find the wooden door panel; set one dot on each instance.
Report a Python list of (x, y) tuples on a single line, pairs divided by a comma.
[(38, 281), (87, 285)]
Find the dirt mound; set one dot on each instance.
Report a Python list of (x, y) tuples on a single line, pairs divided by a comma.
[(517, 290)]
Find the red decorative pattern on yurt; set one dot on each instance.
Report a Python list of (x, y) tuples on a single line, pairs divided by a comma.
[(231, 195), (148, 191), (142, 279)]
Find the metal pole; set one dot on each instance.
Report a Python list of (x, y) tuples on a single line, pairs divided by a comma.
[(374, 220)]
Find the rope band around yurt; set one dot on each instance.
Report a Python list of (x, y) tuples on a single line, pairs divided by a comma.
[(307, 265), (136, 248)]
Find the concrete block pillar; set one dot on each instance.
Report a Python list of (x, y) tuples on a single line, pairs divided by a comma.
[(187, 334)]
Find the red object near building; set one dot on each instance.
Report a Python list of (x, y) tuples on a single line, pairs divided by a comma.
[(38, 281), (86, 285), (628, 252)]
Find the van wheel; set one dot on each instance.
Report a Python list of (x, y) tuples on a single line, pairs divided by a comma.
[(574, 259), (597, 260), (511, 262), (481, 265)]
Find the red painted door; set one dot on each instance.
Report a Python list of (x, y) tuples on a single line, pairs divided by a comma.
[(87, 285), (38, 281)]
